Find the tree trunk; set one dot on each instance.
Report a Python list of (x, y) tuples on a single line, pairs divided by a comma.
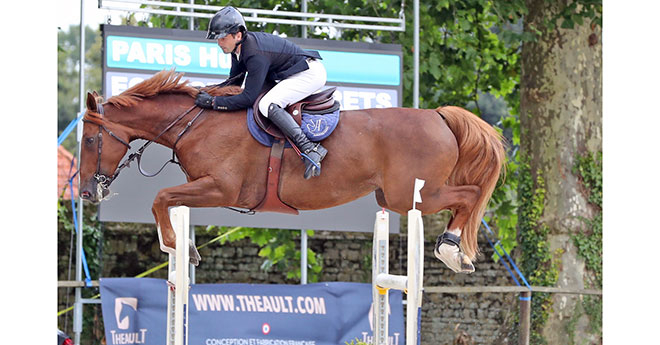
[(561, 117)]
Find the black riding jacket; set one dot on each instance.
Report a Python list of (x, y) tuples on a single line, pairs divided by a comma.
[(264, 57)]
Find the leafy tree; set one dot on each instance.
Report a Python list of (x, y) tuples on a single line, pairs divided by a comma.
[(68, 76)]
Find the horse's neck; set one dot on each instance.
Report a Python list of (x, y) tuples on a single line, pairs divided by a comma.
[(148, 119)]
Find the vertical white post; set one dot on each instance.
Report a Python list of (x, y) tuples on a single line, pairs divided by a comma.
[(78, 306), (380, 265), (304, 10), (411, 284), (416, 54), (303, 257), (415, 276), (178, 280)]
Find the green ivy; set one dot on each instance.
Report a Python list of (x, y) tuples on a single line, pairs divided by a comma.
[(92, 244), (278, 248), (537, 262), (92, 235), (589, 241)]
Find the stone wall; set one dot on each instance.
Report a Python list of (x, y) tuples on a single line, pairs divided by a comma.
[(484, 318)]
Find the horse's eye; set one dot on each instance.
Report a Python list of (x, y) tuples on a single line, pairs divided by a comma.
[(90, 140)]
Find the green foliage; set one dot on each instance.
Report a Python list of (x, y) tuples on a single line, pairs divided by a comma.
[(576, 12), (68, 76), (92, 234), (589, 168), (537, 262), (503, 203), (589, 241), (461, 54), (278, 248)]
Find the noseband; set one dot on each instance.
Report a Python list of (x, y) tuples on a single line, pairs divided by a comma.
[(104, 181)]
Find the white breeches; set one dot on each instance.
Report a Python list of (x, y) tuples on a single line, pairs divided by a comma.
[(295, 87)]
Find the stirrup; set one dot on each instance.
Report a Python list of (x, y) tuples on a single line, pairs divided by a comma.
[(314, 149), (312, 167)]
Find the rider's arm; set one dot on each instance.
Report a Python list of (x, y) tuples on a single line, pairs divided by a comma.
[(257, 68)]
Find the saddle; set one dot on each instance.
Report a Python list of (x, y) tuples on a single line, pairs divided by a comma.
[(318, 103)]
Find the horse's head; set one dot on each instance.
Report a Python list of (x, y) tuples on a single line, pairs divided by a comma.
[(103, 145)]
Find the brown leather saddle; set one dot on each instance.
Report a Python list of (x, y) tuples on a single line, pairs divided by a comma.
[(315, 103)]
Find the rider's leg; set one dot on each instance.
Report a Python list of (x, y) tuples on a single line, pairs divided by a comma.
[(295, 87), (289, 91), (314, 152)]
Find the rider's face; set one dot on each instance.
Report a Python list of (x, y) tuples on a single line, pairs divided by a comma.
[(228, 43)]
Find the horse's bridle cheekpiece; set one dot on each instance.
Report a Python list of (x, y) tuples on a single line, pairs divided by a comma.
[(103, 180)]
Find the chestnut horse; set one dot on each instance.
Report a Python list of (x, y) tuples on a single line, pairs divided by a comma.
[(383, 150)]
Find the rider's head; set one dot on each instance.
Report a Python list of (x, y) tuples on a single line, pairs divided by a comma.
[(228, 27)]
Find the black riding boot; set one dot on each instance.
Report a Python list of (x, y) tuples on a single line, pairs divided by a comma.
[(314, 152)]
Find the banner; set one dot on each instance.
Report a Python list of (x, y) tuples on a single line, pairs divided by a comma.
[(134, 312)]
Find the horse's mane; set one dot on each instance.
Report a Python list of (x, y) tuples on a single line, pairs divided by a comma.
[(166, 81)]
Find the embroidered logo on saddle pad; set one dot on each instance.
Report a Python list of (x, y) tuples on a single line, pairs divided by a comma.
[(315, 127)]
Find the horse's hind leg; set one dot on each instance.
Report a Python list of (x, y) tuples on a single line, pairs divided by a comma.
[(461, 200)]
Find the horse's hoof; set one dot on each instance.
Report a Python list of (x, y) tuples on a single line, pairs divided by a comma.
[(454, 259), (195, 258), (466, 264)]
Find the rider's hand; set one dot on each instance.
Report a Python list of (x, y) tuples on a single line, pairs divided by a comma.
[(204, 100)]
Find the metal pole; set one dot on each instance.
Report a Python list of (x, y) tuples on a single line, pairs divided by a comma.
[(525, 316), (78, 305), (303, 257), (191, 267), (416, 56), (191, 23), (304, 10)]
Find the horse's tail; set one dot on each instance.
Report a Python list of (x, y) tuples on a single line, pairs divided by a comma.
[(481, 157)]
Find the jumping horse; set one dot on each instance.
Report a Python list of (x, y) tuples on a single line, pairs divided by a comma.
[(383, 150)]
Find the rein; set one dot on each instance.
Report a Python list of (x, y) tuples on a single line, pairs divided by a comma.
[(104, 181)]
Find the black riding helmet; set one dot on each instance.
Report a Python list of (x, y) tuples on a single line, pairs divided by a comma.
[(226, 21)]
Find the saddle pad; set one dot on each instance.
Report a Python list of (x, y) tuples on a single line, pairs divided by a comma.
[(315, 127)]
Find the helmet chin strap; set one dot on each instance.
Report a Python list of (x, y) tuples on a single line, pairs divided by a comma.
[(239, 42)]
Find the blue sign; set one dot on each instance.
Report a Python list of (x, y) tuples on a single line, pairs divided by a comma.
[(134, 312), (154, 54)]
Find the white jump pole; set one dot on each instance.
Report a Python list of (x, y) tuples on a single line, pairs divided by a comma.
[(411, 284), (179, 279)]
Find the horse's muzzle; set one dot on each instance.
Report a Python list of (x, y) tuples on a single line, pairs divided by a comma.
[(92, 193)]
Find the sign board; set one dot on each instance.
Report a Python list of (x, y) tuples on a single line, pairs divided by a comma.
[(134, 312), (366, 76)]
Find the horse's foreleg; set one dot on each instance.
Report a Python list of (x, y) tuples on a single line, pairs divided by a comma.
[(202, 192), (461, 201)]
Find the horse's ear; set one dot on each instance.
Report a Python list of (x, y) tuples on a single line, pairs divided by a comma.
[(91, 102)]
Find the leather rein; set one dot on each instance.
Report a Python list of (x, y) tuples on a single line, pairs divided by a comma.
[(104, 181)]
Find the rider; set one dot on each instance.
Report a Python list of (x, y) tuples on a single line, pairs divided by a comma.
[(298, 74)]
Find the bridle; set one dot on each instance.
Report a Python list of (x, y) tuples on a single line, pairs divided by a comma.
[(104, 181)]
